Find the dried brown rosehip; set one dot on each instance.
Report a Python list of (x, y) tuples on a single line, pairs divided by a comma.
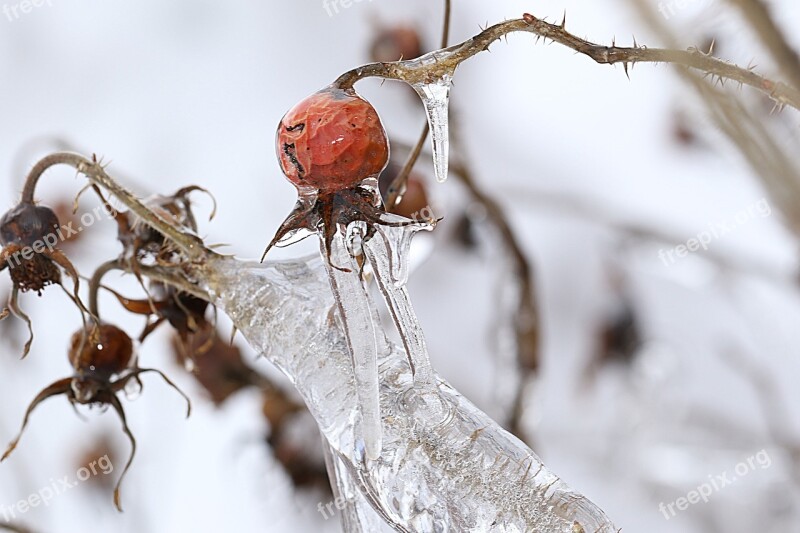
[(414, 203), (396, 43), (101, 357), (30, 235)]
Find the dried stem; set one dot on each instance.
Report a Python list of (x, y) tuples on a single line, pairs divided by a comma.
[(757, 14), (436, 64), (97, 277), (762, 151), (191, 245), (525, 320)]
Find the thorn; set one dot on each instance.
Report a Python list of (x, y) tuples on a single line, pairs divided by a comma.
[(614, 42), (635, 44), (564, 21), (711, 47), (625, 66)]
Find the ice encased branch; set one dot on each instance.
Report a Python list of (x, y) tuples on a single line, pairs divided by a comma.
[(444, 465)]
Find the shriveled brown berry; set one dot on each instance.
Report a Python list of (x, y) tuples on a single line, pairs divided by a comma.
[(394, 44), (26, 224), (100, 351), (414, 203)]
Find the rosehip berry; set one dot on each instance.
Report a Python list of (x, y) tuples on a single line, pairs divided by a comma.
[(100, 351), (331, 141), (31, 228), (26, 224)]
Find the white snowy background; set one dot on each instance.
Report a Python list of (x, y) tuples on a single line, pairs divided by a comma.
[(185, 92)]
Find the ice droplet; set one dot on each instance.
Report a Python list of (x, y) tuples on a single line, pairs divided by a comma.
[(133, 389), (436, 99)]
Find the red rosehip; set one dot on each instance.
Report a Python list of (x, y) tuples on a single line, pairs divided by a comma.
[(331, 141)]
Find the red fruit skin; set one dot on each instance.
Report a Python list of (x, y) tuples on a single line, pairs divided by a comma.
[(331, 141)]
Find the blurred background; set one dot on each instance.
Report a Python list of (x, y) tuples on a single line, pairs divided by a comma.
[(652, 370)]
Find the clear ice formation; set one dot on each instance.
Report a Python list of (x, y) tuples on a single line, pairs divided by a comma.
[(440, 463), (436, 98)]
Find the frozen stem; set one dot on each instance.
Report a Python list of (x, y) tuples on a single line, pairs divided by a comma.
[(435, 65), (191, 245)]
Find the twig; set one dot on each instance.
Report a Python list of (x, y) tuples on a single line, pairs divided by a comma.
[(435, 65), (757, 14), (14, 528), (191, 245), (760, 148), (526, 317)]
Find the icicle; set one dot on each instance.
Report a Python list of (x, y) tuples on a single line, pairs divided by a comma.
[(357, 319), (436, 99), (391, 244)]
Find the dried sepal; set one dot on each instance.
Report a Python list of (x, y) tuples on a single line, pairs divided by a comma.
[(13, 306), (62, 386), (115, 403), (135, 373)]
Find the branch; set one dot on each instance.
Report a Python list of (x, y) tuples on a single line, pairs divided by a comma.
[(191, 245), (434, 65), (757, 14)]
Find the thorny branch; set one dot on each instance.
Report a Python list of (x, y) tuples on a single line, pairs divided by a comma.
[(762, 151), (757, 13), (191, 245), (434, 65)]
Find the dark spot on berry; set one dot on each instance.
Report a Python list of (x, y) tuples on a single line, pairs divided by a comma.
[(291, 153), (296, 127)]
